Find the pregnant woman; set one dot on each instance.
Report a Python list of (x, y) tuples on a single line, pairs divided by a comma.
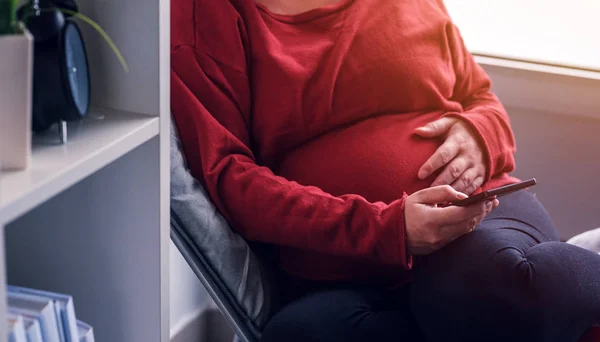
[(332, 129)]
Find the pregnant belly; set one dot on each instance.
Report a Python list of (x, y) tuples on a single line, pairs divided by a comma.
[(378, 158)]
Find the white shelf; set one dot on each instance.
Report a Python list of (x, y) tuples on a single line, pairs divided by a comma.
[(93, 143)]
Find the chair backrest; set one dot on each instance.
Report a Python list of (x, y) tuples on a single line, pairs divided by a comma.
[(231, 310), (239, 280)]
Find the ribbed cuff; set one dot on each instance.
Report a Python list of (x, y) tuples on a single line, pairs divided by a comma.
[(396, 248)]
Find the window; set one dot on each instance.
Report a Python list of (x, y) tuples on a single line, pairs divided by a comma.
[(556, 32)]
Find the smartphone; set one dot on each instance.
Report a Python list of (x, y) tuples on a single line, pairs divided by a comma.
[(497, 192)]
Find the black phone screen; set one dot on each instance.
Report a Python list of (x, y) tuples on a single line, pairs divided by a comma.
[(497, 192)]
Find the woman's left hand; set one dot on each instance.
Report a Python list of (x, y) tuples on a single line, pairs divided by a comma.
[(461, 155)]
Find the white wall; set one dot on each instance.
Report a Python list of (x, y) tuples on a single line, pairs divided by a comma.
[(552, 31), (555, 116), (188, 297), (563, 153)]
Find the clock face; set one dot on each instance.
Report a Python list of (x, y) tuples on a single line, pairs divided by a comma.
[(76, 68)]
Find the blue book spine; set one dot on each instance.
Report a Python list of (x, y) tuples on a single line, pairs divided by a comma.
[(59, 322), (70, 321), (85, 331), (34, 332), (16, 328)]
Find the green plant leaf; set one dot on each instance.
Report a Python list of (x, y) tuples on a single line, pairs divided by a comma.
[(104, 35), (8, 13)]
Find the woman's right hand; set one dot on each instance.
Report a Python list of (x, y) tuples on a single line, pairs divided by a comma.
[(430, 227)]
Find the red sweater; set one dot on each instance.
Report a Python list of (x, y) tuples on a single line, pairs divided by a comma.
[(301, 127)]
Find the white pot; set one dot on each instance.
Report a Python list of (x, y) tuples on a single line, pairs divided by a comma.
[(16, 81)]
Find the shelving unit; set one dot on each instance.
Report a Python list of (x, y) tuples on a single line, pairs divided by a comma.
[(91, 217), (95, 142)]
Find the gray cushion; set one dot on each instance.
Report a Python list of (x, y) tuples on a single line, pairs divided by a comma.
[(589, 240), (246, 277)]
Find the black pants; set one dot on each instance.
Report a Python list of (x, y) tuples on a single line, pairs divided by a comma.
[(509, 280)]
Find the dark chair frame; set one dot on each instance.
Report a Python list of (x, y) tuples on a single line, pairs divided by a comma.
[(230, 309)]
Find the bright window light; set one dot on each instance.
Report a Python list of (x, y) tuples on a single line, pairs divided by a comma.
[(560, 32)]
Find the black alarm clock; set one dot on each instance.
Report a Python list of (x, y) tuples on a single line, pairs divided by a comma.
[(61, 80)]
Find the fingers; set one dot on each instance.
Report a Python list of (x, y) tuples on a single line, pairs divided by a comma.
[(449, 232), (455, 169), (452, 215), (438, 194), (471, 223), (436, 128), (469, 181), (455, 231), (442, 156)]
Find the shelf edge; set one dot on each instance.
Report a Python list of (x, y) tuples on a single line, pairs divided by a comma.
[(78, 171)]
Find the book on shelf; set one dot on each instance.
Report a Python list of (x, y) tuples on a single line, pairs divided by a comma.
[(16, 328), (86, 332), (64, 309), (39, 308), (44, 316), (33, 330)]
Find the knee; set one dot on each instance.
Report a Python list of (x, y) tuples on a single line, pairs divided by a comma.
[(470, 293), (505, 276), (565, 276), (525, 290), (483, 263)]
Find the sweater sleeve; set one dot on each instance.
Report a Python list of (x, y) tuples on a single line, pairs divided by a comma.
[(482, 110), (210, 102)]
